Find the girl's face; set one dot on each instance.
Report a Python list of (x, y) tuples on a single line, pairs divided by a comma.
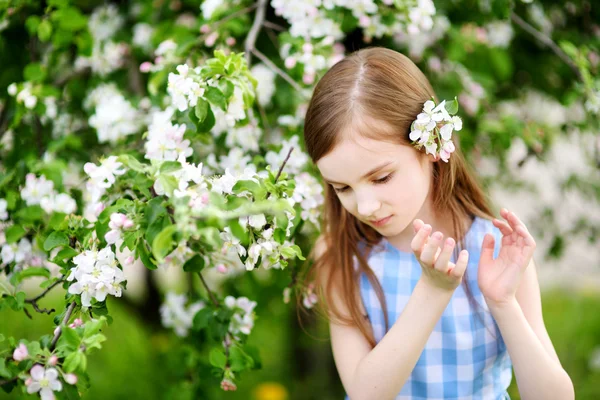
[(382, 184)]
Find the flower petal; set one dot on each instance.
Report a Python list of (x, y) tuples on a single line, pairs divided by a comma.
[(37, 372)]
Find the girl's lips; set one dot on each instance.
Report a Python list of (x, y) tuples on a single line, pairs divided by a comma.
[(382, 221)]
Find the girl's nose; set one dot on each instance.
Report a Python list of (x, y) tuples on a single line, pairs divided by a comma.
[(366, 207)]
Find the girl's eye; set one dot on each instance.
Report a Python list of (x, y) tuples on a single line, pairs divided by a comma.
[(376, 181), (384, 179)]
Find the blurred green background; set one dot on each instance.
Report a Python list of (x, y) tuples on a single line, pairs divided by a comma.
[(297, 360)]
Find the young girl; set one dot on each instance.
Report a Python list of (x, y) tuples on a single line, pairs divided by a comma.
[(414, 314)]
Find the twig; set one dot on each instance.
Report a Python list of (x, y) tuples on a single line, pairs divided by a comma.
[(7, 381), (210, 293), (33, 301), (246, 10), (259, 18), (274, 26), (546, 41), (278, 70), (284, 162), (64, 321)]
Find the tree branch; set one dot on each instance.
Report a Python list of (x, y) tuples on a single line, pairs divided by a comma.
[(210, 293), (64, 322), (259, 18), (33, 301), (284, 162), (278, 70), (546, 41)]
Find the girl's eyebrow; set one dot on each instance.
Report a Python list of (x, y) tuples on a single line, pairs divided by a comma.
[(371, 172)]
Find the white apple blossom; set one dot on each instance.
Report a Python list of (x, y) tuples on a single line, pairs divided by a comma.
[(421, 17), (142, 35), (106, 57), (297, 161), (36, 189), (174, 313), (309, 193), (114, 118), (499, 33), (102, 176), (105, 21), (242, 320), (184, 90), (266, 83), (246, 137), (45, 381)]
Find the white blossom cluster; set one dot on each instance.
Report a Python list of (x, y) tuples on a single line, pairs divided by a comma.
[(107, 56), (25, 95), (418, 42), (178, 257), (20, 253), (96, 274), (237, 162), (312, 57), (41, 191), (424, 128), (297, 161), (175, 314), (3, 210), (307, 19), (118, 223), (184, 88), (309, 194), (165, 141), (101, 177), (142, 36), (114, 116), (243, 318), (266, 83)]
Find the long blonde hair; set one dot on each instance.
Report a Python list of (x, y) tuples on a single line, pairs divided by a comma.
[(386, 86)]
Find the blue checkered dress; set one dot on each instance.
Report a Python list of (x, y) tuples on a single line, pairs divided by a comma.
[(463, 358)]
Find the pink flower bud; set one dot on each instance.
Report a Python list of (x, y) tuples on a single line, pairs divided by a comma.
[(159, 60), (307, 47), (20, 353), (99, 208), (364, 21), (53, 360), (128, 224), (308, 79), (205, 198), (204, 29), (222, 268), (290, 62), (129, 260), (71, 379), (117, 220), (145, 67), (227, 384), (77, 323), (211, 39), (28, 381), (230, 41)]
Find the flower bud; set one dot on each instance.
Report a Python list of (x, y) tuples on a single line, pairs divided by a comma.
[(145, 67), (20, 353), (290, 62), (71, 379), (53, 360), (222, 268), (230, 41)]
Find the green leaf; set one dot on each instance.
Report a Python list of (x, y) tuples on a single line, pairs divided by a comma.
[(69, 339), (56, 239), (216, 97), (144, 255), (32, 23), (168, 182), (239, 360), (69, 19), (202, 318), (201, 110), (132, 163), (14, 233), (73, 361), (452, 107), (217, 358), (170, 166), (93, 327), (65, 254), (163, 243), (30, 214), (34, 72), (227, 87), (208, 123), (18, 277), (44, 30), (4, 372), (194, 264)]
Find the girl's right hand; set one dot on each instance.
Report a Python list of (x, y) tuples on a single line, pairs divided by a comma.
[(438, 271)]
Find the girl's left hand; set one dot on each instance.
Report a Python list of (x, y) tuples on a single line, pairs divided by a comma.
[(499, 278)]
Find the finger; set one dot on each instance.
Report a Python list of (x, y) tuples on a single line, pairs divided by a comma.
[(513, 220), (431, 248), (461, 264), (419, 240), (417, 224), (528, 244), (503, 226), (441, 262), (487, 248)]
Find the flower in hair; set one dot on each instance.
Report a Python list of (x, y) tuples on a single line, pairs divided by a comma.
[(434, 126)]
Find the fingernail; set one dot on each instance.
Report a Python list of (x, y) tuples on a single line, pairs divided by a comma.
[(438, 235)]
